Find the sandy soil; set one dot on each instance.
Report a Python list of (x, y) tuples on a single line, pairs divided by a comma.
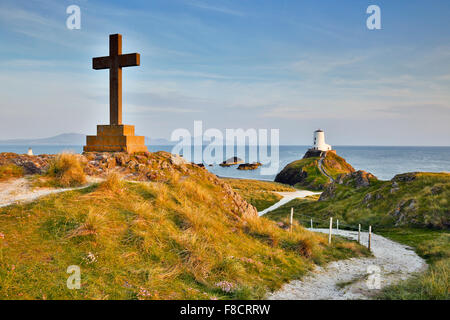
[(350, 279)]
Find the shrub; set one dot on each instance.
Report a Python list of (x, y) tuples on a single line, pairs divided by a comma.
[(66, 170)]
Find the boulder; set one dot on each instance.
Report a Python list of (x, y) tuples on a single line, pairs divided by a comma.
[(405, 177), (359, 179)]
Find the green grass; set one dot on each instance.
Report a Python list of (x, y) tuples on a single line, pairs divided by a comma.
[(423, 202), (433, 284), (181, 238), (431, 244), (305, 173), (259, 193)]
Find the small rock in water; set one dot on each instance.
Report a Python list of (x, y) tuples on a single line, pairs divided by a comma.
[(249, 166)]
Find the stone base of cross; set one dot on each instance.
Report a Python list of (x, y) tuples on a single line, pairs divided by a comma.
[(115, 137)]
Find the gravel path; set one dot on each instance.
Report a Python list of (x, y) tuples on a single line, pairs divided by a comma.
[(20, 190), (348, 279), (288, 196)]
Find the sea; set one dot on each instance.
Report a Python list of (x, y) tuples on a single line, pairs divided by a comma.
[(383, 162)]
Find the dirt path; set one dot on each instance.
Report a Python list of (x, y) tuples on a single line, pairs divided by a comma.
[(20, 190), (322, 170), (288, 196), (348, 279)]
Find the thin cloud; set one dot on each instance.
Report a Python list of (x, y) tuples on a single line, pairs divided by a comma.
[(215, 8), (146, 109)]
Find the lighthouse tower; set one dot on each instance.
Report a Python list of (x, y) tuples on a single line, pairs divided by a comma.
[(319, 141)]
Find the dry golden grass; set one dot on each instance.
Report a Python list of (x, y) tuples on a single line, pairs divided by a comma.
[(113, 183), (66, 170), (177, 239), (9, 171)]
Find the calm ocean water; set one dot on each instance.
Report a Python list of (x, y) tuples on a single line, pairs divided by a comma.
[(384, 162)]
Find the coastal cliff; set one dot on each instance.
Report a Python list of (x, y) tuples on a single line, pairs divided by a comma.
[(315, 171)]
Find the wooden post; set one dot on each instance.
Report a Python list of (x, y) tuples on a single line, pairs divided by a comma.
[(337, 225), (331, 228), (311, 224), (370, 235), (359, 233), (292, 217)]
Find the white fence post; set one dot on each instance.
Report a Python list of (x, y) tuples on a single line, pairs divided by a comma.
[(311, 224), (331, 228), (359, 233), (292, 217), (337, 225), (370, 236)]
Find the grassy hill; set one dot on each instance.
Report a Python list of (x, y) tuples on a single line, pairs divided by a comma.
[(305, 173), (412, 208), (412, 199), (181, 233)]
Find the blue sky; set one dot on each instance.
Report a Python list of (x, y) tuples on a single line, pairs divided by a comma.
[(288, 64)]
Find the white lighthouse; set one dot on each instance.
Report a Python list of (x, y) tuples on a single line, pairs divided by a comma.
[(319, 141)]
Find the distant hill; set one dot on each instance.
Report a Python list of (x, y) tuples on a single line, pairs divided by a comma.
[(61, 139), (72, 139)]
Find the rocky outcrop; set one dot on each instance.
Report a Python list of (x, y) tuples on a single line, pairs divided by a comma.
[(358, 179), (405, 213), (30, 164), (306, 172), (240, 206), (328, 193), (159, 166), (405, 177), (231, 162), (249, 166), (291, 176)]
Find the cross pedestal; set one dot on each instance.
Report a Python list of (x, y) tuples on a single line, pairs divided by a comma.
[(115, 137)]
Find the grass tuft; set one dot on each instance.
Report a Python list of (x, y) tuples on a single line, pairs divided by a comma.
[(66, 170), (113, 183)]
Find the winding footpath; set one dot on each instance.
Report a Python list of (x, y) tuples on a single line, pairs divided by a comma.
[(353, 278), (345, 279), (21, 191), (322, 170), (288, 196)]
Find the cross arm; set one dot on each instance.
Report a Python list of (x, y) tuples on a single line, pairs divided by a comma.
[(101, 63), (129, 60)]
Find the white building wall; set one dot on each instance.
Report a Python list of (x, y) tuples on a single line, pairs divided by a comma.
[(319, 141)]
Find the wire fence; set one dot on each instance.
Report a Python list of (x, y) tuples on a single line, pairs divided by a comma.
[(322, 222), (315, 222)]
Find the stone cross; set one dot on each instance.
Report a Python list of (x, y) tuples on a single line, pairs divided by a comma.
[(115, 62)]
